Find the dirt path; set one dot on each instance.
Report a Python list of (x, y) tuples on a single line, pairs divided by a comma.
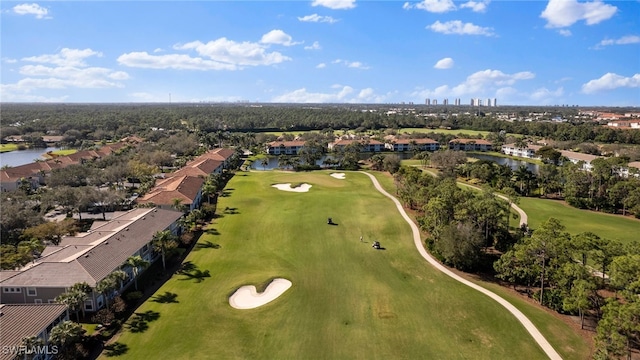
[(528, 325)]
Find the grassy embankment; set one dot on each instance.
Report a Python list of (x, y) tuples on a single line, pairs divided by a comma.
[(8, 147), (347, 300), (607, 226)]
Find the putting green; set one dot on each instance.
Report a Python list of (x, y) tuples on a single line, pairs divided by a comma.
[(348, 300)]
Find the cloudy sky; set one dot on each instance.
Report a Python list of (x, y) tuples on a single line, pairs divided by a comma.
[(322, 51)]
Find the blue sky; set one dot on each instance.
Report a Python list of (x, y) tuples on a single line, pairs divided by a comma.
[(322, 51)]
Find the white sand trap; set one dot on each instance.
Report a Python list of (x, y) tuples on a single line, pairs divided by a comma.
[(246, 297), (287, 187), (338, 175)]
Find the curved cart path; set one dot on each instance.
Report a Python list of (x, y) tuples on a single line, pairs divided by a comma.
[(528, 325)]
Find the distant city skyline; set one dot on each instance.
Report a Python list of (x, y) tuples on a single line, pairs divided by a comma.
[(553, 52)]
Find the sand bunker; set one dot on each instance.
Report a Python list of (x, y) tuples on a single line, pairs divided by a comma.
[(287, 187), (338, 175), (246, 297)]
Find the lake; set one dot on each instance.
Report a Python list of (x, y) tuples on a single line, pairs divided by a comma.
[(512, 163), (22, 157)]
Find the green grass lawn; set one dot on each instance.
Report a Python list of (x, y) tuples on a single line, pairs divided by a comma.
[(607, 226), (347, 301), (64, 152), (8, 147)]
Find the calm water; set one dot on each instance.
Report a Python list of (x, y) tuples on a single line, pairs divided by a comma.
[(273, 163), (21, 157), (512, 163)]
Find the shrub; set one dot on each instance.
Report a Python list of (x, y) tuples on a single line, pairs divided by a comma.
[(133, 296)]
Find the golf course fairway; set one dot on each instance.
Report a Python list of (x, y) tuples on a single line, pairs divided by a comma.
[(347, 300)]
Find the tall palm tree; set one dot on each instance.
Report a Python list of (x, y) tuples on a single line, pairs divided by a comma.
[(163, 242), (66, 334), (74, 300), (105, 287), (136, 263)]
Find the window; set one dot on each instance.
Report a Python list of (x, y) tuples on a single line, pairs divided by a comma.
[(31, 291), (11, 290), (38, 301), (88, 305)]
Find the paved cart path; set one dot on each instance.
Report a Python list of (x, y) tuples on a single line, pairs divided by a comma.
[(528, 325)]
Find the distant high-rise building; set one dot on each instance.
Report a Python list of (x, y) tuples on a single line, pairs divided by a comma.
[(445, 102), (435, 102), (488, 102), (495, 102), (479, 102), (473, 102), (427, 102)]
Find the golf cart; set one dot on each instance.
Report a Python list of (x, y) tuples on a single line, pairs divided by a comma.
[(376, 245)]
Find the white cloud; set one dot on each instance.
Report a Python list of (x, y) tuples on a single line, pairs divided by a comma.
[(564, 32), (564, 13), (68, 70), (476, 6), (434, 6), (610, 81), (460, 28), (351, 64), (335, 4), (446, 63), (317, 18), (32, 9), (342, 94), (172, 61), (232, 54), (321, 66), (9, 61), (157, 50), (546, 96), (479, 84), (625, 40), (314, 46), (277, 37), (66, 57)]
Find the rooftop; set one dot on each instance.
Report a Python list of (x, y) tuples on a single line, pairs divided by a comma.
[(18, 321)]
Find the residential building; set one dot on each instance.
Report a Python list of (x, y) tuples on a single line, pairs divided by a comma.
[(470, 145), (186, 188), (401, 145), (19, 321), (88, 257), (36, 173), (284, 147), (368, 145), (528, 152)]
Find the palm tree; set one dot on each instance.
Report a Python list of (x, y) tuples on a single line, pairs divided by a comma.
[(74, 299), (105, 287), (66, 334), (264, 162), (176, 203), (136, 263), (28, 343), (163, 242)]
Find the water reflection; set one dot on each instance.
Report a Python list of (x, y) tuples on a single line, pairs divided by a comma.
[(512, 163), (22, 157)]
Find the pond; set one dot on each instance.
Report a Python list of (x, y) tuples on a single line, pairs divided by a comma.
[(22, 157), (273, 163), (512, 163)]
